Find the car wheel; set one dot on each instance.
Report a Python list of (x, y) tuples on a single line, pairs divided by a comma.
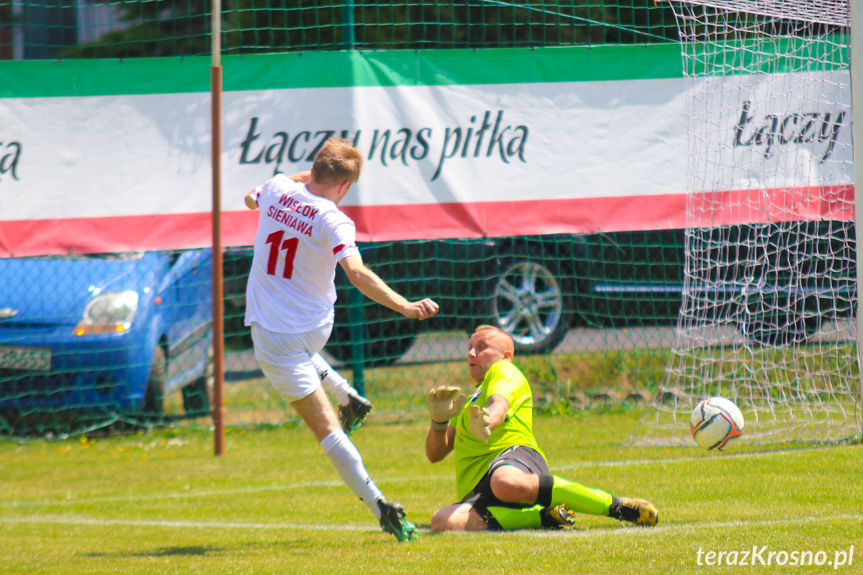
[(154, 399), (527, 300), (388, 335), (198, 395)]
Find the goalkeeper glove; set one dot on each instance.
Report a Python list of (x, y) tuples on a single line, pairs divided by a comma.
[(480, 424), (444, 404)]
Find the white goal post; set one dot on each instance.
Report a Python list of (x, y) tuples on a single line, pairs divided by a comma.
[(856, 54), (769, 316)]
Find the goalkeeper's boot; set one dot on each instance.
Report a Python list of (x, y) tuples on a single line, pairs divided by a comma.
[(558, 517), (637, 511), (352, 415), (393, 521)]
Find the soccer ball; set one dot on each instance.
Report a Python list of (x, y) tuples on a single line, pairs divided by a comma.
[(715, 423)]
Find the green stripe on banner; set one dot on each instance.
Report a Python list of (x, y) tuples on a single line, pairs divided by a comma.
[(76, 78), (453, 67), (768, 56), (45, 78)]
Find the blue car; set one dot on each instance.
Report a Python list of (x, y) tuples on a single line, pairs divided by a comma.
[(98, 335)]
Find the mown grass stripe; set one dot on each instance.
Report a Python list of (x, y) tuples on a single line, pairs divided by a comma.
[(385, 480), (592, 532)]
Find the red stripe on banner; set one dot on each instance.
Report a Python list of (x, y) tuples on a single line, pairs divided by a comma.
[(607, 214), (772, 205), (91, 235), (439, 221), (123, 233)]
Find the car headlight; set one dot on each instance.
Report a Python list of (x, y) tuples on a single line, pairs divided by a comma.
[(108, 313)]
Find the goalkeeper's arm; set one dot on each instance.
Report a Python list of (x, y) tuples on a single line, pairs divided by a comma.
[(484, 419), (444, 404), (439, 444)]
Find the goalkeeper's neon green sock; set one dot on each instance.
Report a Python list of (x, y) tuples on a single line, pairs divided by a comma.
[(579, 498), (527, 518)]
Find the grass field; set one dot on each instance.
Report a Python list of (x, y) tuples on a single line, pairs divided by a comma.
[(162, 503)]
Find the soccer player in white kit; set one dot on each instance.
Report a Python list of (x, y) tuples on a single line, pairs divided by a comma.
[(289, 303)]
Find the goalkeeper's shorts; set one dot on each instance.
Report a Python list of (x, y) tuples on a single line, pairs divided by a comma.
[(481, 498)]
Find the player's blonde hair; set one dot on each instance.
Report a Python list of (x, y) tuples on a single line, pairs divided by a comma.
[(336, 162), (505, 338)]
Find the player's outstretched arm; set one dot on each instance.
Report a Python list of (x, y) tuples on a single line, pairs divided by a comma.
[(484, 420), (374, 288), (439, 444), (445, 402), (302, 177), (251, 199)]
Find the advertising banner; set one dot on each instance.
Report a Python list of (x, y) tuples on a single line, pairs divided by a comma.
[(100, 156)]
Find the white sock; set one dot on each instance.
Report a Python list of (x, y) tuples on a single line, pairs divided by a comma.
[(348, 462), (332, 381)]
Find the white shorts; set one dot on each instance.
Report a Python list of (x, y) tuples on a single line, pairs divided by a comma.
[(286, 359)]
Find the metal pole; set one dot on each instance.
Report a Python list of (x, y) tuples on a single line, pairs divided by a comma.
[(348, 32), (218, 288), (18, 30), (856, 57)]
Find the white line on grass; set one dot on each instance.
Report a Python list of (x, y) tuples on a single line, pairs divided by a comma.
[(617, 530), (385, 480), (688, 527), (703, 457), (207, 493), (93, 521)]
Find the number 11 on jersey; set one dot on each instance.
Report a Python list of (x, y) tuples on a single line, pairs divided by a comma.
[(290, 248)]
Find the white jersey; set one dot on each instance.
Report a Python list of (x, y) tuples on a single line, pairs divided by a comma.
[(300, 239)]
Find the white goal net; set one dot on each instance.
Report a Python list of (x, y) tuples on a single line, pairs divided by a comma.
[(769, 311)]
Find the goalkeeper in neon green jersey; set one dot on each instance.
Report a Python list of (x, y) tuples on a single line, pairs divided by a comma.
[(502, 478)]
